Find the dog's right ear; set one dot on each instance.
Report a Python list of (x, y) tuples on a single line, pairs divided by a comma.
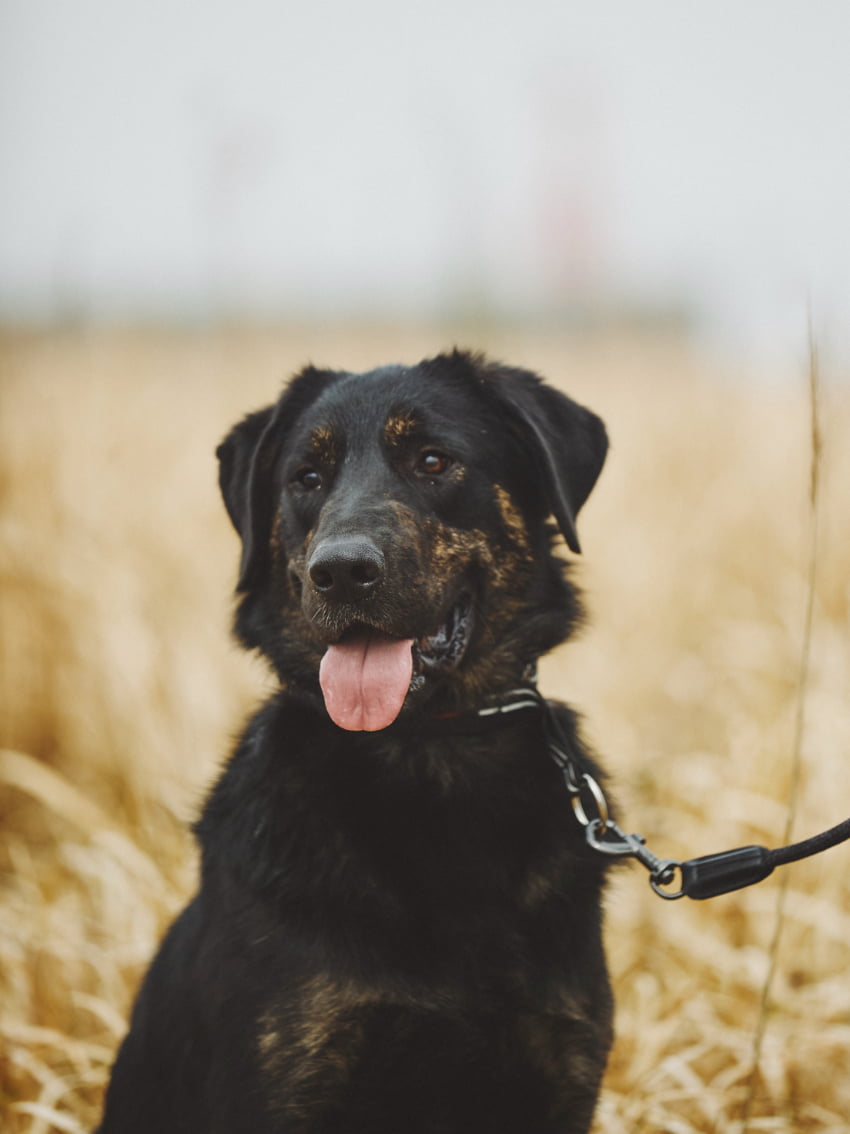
[(245, 483)]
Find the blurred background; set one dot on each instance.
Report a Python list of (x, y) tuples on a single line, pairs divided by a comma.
[(648, 204), (658, 162)]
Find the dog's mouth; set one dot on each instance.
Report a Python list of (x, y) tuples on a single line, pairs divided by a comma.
[(445, 649), (367, 674)]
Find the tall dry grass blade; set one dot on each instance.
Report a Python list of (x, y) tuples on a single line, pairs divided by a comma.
[(56, 793), (816, 449), (47, 1118), (52, 790)]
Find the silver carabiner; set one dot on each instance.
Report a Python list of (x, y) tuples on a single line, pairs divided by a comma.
[(608, 838)]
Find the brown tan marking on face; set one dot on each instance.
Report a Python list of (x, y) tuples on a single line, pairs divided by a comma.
[(512, 565), (324, 445), (276, 538), (452, 550), (283, 557), (398, 427), (290, 569), (512, 520), (447, 554), (507, 566)]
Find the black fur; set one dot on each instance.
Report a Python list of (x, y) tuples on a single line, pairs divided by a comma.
[(399, 930)]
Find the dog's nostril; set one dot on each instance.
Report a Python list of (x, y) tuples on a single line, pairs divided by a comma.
[(322, 579), (364, 574)]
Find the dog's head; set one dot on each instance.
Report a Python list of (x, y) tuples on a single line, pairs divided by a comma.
[(396, 550)]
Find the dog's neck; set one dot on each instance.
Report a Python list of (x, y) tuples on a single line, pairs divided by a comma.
[(495, 710)]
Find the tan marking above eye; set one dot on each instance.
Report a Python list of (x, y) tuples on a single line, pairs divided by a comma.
[(323, 444), (398, 427)]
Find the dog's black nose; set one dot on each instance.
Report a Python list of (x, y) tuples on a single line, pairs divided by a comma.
[(346, 569)]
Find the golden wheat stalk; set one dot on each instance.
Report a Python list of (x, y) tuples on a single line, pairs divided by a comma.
[(816, 449)]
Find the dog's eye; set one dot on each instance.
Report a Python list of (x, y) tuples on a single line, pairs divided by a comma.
[(433, 463), (308, 479)]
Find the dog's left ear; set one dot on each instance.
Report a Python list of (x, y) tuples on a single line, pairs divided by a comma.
[(567, 442), (244, 484)]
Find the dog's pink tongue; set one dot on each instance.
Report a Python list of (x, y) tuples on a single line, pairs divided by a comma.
[(365, 680)]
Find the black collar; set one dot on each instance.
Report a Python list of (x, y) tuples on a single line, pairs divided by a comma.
[(491, 715)]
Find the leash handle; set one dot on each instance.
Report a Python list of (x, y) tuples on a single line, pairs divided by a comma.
[(716, 874), (732, 870)]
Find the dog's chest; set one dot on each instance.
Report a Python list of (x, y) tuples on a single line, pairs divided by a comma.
[(459, 841), (341, 1047), (425, 919)]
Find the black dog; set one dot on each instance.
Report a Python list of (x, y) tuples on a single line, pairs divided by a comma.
[(398, 928)]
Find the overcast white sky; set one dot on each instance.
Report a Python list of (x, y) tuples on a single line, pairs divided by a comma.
[(186, 158)]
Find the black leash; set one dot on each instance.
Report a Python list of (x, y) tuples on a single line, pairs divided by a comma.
[(699, 878), (712, 874)]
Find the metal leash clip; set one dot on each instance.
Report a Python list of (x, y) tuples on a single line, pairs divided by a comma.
[(700, 878), (608, 838)]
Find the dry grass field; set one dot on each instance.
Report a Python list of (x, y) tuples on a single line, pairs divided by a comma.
[(120, 692)]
